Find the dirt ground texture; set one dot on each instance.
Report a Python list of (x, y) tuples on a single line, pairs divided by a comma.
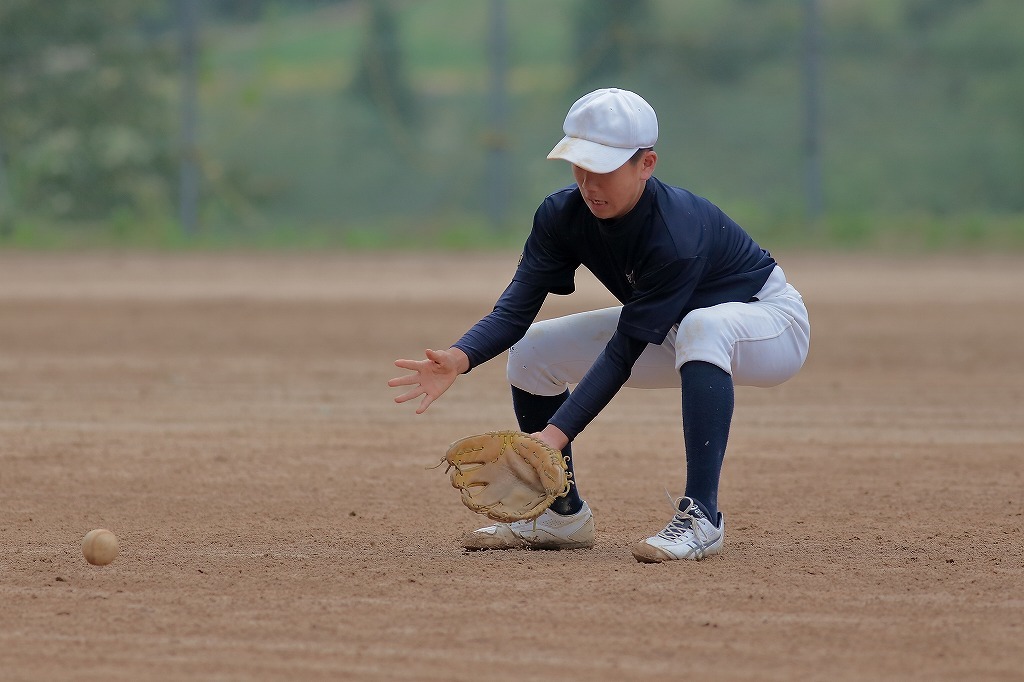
[(227, 416)]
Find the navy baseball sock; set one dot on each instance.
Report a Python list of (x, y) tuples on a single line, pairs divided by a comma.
[(533, 413), (708, 401)]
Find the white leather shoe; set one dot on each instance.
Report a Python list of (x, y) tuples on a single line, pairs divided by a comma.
[(689, 535), (547, 531)]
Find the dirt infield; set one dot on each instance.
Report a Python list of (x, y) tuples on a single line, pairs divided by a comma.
[(227, 416)]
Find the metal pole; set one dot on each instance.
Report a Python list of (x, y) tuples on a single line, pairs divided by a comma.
[(6, 199), (497, 175), (189, 176), (811, 63)]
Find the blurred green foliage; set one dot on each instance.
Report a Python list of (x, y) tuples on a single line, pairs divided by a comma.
[(84, 127), (360, 123)]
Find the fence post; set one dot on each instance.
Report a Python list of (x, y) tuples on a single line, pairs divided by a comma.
[(189, 173), (811, 63), (497, 152)]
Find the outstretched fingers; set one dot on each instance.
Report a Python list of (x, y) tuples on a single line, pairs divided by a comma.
[(409, 395), (406, 379), (430, 378), (425, 403), (409, 364)]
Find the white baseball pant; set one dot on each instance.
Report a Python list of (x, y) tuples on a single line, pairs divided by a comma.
[(761, 343)]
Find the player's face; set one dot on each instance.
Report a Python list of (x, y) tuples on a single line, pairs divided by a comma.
[(613, 195)]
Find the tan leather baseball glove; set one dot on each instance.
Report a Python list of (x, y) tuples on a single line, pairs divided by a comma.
[(507, 475)]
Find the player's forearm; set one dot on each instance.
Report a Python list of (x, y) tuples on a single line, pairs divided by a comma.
[(600, 384), (507, 323), (488, 338)]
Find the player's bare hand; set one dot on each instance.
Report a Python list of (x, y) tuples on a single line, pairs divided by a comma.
[(430, 377)]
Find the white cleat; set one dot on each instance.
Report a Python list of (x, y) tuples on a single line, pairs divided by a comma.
[(689, 535), (547, 531)]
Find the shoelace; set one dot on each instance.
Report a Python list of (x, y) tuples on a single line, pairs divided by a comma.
[(683, 523)]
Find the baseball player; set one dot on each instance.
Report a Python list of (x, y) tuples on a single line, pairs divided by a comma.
[(704, 308)]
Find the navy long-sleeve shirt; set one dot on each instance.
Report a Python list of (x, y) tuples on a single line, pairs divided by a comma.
[(672, 253)]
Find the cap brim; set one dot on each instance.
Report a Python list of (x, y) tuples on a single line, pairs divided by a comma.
[(591, 156)]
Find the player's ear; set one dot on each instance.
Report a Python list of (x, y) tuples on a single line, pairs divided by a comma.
[(647, 163)]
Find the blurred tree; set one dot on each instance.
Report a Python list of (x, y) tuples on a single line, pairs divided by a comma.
[(85, 121), (254, 10), (736, 39), (239, 10), (972, 51), (923, 14), (609, 38), (381, 78)]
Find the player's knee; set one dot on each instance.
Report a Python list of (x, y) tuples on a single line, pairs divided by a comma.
[(522, 359), (703, 336), (698, 326), (527, 367)]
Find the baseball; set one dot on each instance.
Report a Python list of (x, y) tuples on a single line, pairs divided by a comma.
[(100, 547)]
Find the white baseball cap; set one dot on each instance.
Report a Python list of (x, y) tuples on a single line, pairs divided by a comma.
[(605, 128)]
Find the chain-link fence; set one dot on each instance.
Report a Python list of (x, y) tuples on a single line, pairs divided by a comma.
[(430, 119)]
